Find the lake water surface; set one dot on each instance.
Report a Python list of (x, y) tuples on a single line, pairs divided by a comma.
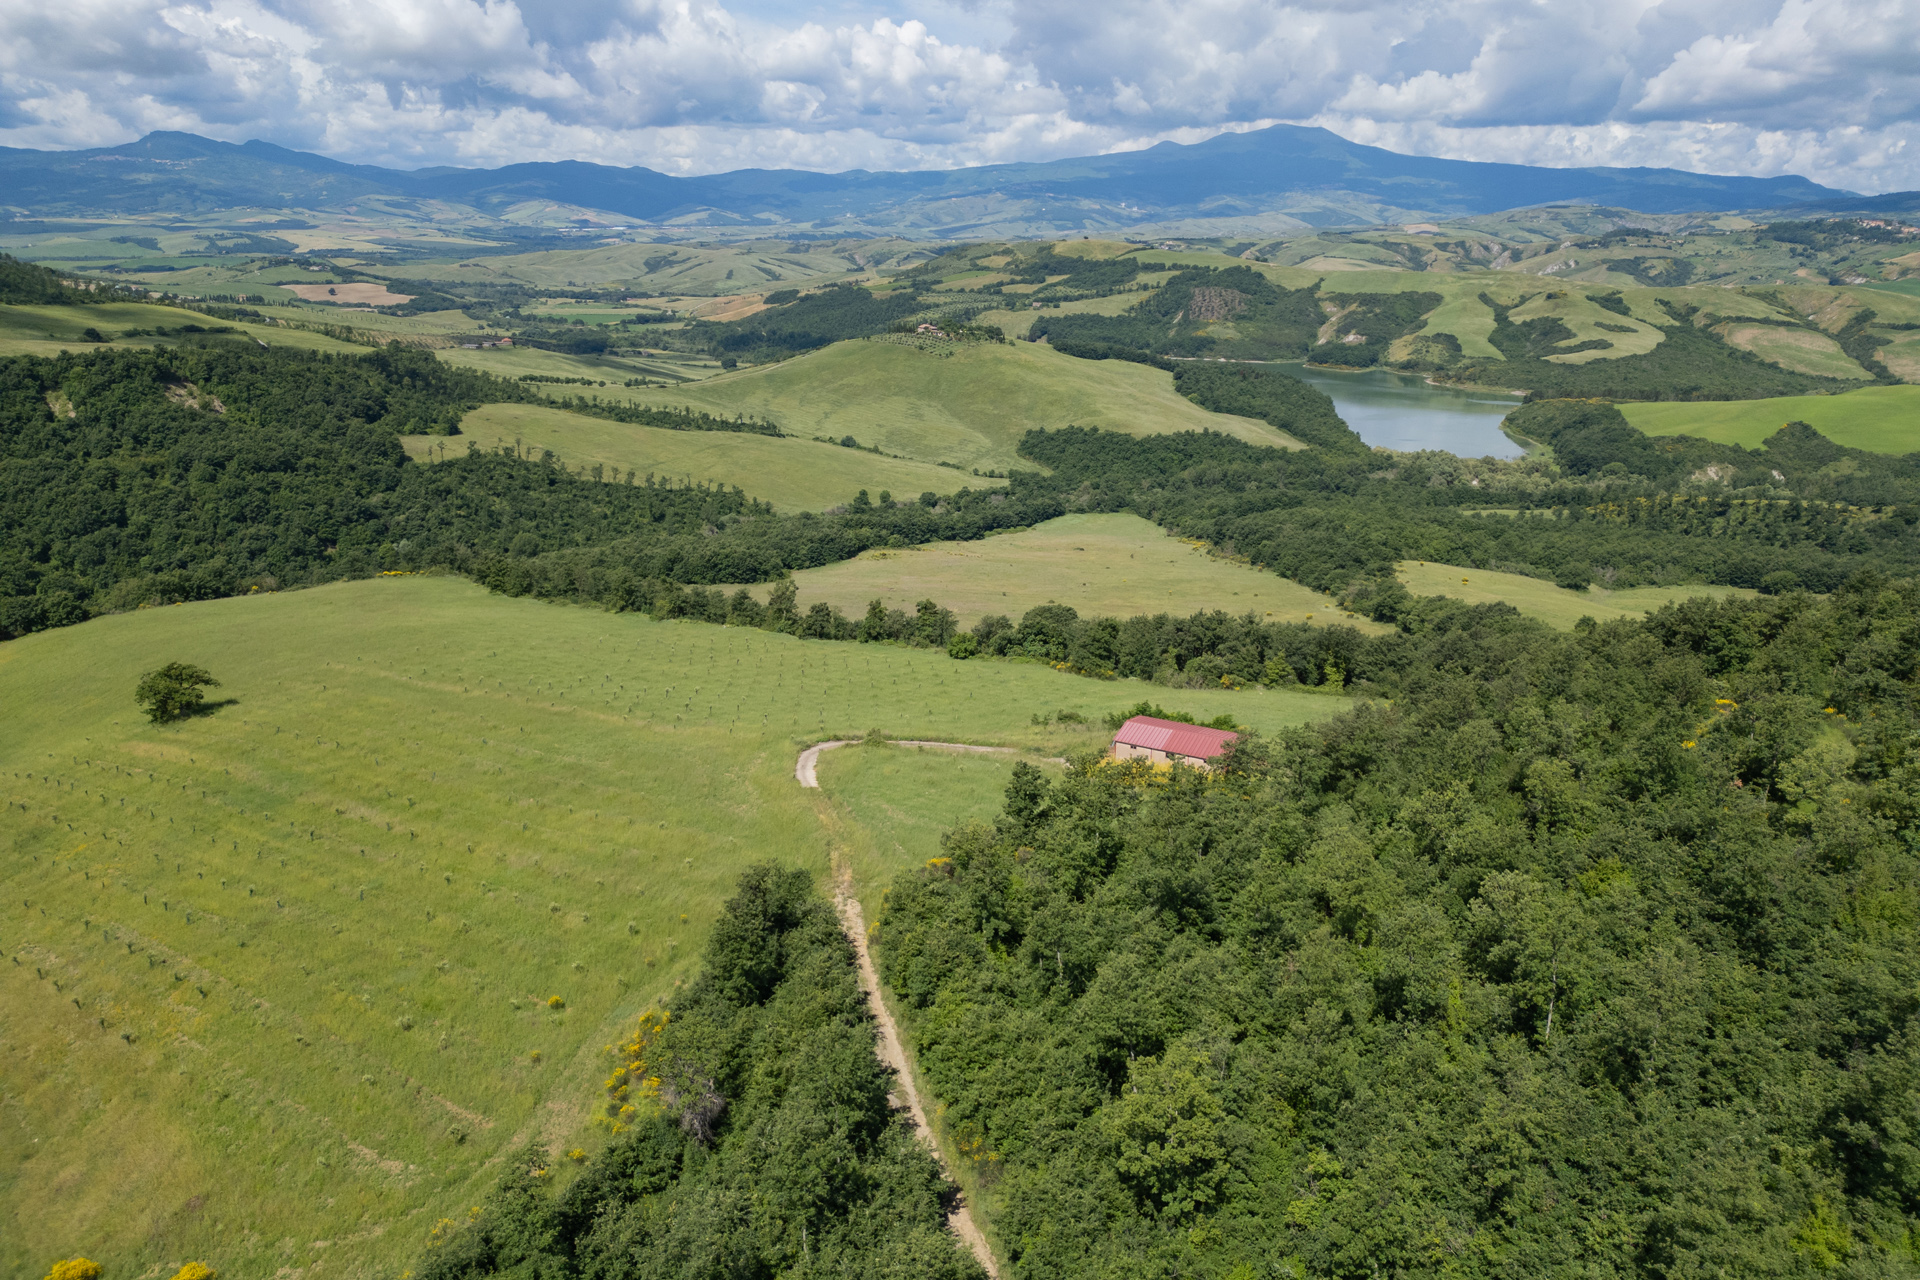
[(1399, 411)]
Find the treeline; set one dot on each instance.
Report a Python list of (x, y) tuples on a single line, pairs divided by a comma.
[(753, 1133), (133, 477), (1333, 520), (1249, 391), (667, 417), (634, 572), (1563, 963)]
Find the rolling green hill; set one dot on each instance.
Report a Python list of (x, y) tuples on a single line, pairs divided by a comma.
[(794, 475), (49, 330), (969, 407), (1116, 565), (297, 1002), (1877, 419)]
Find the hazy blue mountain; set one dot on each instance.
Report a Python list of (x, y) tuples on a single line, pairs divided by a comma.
[(1311, 176)]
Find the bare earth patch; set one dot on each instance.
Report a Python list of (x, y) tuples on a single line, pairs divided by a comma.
[(360, 294)]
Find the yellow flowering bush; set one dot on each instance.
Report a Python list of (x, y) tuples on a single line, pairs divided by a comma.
[(555, 1002), (75, 1269), (630, 1078), (195, 1271)]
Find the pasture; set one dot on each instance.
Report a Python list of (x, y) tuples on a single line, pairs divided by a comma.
[(969, 406), (1555, 606), (300, 997), (1877, 419), (1113, 564), (513, 362), (794, 475)]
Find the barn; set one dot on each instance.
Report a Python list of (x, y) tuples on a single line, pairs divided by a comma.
[(1170, 742)]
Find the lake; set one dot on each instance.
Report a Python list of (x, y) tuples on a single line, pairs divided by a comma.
[(1399, 411)]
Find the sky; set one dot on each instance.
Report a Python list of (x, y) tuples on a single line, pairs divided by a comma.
[(1829, 89)]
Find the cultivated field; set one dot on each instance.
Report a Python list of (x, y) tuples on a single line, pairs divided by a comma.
[(1878, 419), (800, 475), (1119, 565), (968, 407), (1555, 606), (299, 997)]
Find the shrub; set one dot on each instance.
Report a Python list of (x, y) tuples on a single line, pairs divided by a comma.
[(173, 691), (75, 1269), (962, 646), (195, 1271)]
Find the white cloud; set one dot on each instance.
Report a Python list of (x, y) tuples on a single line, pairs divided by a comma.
[(1829, 88)]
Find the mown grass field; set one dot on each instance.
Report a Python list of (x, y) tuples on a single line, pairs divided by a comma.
[(969, 407), (1555, 606), (275, 978), (796, 475), (49, 330), (1114, 564), (1877, 419), (1800, 350)]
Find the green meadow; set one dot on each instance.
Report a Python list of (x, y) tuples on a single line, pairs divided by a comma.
[(513, 362), (1112, 564), (48, 330), (1555, 606), (968, 406), (279, 980), (794, 475), (1877, 419)]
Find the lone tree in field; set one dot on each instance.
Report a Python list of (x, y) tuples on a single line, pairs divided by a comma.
[(173, 691)]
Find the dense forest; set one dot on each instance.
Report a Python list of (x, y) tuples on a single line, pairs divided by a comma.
[(754, 1137), (1592, 954)]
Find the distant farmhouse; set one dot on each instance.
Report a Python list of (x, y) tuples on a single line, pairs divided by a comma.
[(1169, 742)]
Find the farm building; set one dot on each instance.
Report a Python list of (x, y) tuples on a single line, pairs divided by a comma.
[(1169, 741)]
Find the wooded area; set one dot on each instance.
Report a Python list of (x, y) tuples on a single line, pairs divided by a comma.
[(1591, 954)]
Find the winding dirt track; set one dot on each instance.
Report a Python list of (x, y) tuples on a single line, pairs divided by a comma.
[(891, 1049)]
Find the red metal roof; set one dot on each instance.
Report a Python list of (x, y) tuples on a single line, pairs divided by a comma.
[(1172, 736)]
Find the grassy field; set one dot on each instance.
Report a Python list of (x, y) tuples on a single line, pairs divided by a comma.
[(1800, 350), (1878, 419), (969, 407), (297, 1002), (796, 475), (1120, 565), (891, 804), (512, 362), (1555, 606), (49, 330)]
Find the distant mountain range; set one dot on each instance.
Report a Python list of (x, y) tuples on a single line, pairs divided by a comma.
[(1269, 180)]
